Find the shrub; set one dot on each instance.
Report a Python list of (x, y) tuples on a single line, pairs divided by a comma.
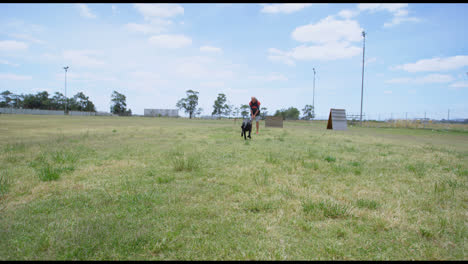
[(330, 158)]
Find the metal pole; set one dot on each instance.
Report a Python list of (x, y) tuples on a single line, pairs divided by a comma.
[(313, 98), (448, 115), (406, 119), (66, 100), (424, 122), (362, 85)]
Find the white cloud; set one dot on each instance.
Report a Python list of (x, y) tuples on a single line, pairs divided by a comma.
[(27, 38), (155, 26), (326, 52), (270, 77), (114, 9), (170, 41), (329, 30), (203, 68), (331, 51), (283, 8), (461, 84), (85, 11), (399, 12), (435, 64), (5, 62), (276, 55), (371, 60), (150, 11), (399, 20), (431, 78), (14, 77), (212, 84), (332, 37), (387, 92), (82, 58), (393, 8), (12, 45), (143, 28), (210, 49), (347, 14), (85, 77)]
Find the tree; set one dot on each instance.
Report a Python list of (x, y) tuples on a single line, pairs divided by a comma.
[(82, 103), (308, 112), (263, 112), (119, 104), (220, 105), (39, 101), (7, 99), (245, 110), (198, 112), (236, 111), (58, 101), (189, 104), (17, 100), (228, 110), (290, 113)]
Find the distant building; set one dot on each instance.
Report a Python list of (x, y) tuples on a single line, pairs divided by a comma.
[(162, 112)]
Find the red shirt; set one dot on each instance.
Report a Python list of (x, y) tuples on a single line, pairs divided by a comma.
[(255, 106)]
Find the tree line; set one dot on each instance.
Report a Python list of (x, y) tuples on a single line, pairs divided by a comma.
[(57, 101), (80, 102), (45, 101), (221, 108)]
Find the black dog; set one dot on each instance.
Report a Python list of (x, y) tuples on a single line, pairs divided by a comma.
[(246, 126)]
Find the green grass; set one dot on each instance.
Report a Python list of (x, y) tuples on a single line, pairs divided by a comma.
[(134, 188), (365, 203), (327, 209), (5, 183)]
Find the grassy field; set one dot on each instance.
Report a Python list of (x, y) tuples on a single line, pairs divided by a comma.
[(119, 188)]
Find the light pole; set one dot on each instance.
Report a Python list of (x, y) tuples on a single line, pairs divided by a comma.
[(362, 85), (313, 97), (66, 100)]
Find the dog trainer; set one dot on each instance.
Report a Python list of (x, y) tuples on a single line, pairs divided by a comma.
[(255, 110)]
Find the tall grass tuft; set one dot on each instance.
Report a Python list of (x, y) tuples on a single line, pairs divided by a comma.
[(63, 157), (365, 203), (328, 209), (183, 163), (261, 177), (15, 147), (330, 158), (5, 182), (271, 158), (49, 173), (419, 168), (165, 179)]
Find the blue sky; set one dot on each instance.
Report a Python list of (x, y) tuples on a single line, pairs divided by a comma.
[(416, 54)]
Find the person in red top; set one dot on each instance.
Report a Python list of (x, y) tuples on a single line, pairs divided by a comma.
[(255, 110)]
